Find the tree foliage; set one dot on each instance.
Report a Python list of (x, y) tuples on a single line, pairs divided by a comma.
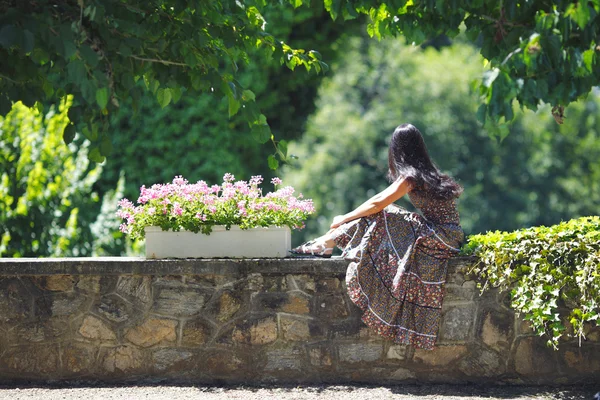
[(191, 138), (46, 200), (539, 175), (97, 51)]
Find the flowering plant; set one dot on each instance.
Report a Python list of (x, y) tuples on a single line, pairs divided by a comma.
[(198, 207)]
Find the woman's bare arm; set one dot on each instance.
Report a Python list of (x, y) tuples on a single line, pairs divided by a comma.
[(376, 203)]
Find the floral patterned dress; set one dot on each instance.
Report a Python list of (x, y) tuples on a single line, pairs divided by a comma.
[(399, 264)]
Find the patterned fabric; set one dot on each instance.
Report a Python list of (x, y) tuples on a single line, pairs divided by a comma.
[(399, 264)]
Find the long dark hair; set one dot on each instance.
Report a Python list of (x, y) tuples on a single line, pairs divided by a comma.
[(408, 158)]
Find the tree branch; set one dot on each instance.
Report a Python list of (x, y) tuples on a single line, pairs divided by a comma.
[(156, 60)]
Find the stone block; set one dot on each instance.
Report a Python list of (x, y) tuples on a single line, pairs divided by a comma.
[(455, 277), (297, 303), (15, 301), (40, 359), (136, 288), (269, 301), (440, 356), (482, 362), (328, 285), (172, 359), (284, 359), (533, 358), (397, 352), (255, 282), (152, 331), (401, 375), (213, 280), (180, 300), (256, 332), (89, 283), (60, 304), (496, 330), (320, 356), (228, 304), (457, 323), (77, 358), (463, 292), (360, 352), (221, 363), (580, 361), (122, 358), (274, 284), (55, 283), (115, 309), (29, 332), (305, 283), (330, 307), (94, 328), (295, 329), (347, 329), (196, 332)]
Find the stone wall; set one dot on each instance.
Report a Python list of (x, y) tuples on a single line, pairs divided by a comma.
[(250, 321)]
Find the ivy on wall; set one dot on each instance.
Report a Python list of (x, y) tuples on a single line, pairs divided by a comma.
[(553, 273)]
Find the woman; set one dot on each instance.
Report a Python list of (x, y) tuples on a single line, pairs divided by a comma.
[(399, 258)]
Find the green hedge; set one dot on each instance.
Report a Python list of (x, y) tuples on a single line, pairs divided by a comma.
[(553, 273)]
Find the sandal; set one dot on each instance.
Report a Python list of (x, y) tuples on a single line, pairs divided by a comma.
[(313, 248)]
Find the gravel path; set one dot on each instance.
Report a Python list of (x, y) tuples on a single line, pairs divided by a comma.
[(423, 392)]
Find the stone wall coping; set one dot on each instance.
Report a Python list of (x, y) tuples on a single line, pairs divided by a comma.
[(144, 266)]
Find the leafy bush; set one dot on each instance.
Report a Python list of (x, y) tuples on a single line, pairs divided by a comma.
[(198, 207), (547, 270), (47, 206)]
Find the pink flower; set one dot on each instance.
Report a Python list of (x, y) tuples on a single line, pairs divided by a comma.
[(124, 228), (215, 188), (228, 177), (177, 210), (178, 180), (124, 203), (256, 180), (276, 181), (201, 217)]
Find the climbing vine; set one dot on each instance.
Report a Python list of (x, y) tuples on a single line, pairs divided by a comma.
[(553, 273)]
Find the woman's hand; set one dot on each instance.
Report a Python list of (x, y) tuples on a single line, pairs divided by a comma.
[(337, 221)]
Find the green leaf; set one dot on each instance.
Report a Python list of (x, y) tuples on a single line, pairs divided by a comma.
[(333, 6), (95, 155), (588, 59), (69, 48), (8, 36), (481, 113), (273, 163), (28, 41), (176, 94), (124, 50), (106, 146), (77, 72), (69, 133), (234, 106), (248, 95), (282, 146), (89, 55), (261, 133), (163, 96), (102, 97), (580, 14)]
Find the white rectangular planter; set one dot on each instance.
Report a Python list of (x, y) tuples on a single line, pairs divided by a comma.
[(271, 242)]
